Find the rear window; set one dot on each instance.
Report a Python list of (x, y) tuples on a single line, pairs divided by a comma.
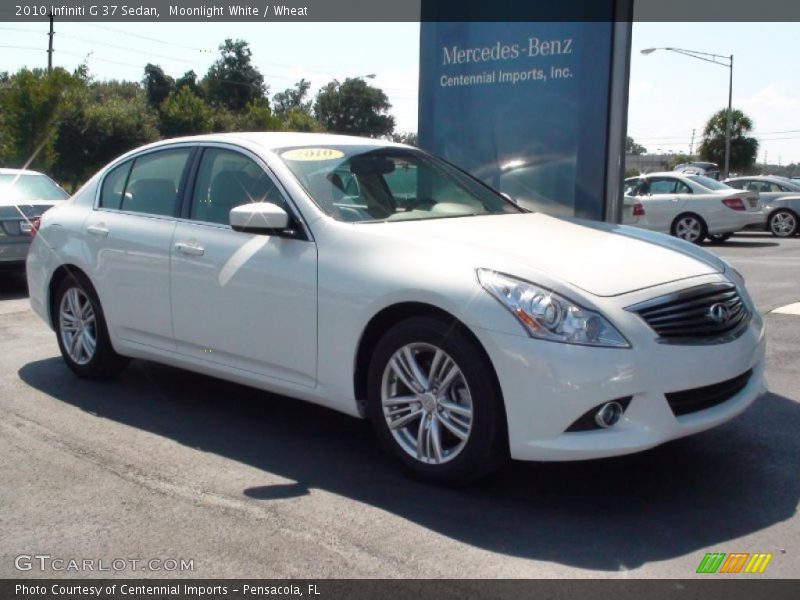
[(707, 182), (30, 187)]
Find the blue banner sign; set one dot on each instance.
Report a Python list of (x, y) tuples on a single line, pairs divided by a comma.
[(522, 106)]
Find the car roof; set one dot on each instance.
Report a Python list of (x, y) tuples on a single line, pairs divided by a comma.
[(271, 140), (19, 172)]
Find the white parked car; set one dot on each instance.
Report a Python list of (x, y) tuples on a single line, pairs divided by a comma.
[(466, 329), (24, 197), (780, 199), (693, 207)]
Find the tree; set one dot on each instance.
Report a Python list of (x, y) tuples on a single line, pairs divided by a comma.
[(157, 84), (98, 123), (183, 113), (189, 80), (31, 103), (631, 147), (257, 117), (233, 81), (292, 99), (354, 107), (744, 149), (412, 139)]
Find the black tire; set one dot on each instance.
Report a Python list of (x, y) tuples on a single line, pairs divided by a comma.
[(703, 228), (783, 223), (486, 446), (719, 238), (104, 361)]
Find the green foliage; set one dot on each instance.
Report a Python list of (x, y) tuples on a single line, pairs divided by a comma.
[(97, 123), (157, 84), (631, 147), (412, 139), (354, 107), (292, 100), (233, 81), (257, 117), (631, 172), (189, 80), (298, 120), (30, 103), (744, 149), (183, 113)]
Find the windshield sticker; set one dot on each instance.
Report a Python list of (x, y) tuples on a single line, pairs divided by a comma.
[(312, 154)]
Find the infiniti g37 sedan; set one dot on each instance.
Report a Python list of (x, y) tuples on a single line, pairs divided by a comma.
[(383, 282)]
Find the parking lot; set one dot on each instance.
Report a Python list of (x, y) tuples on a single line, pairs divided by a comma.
[(166, 464)]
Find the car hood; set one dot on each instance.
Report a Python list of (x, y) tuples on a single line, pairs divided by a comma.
[(599, 258)]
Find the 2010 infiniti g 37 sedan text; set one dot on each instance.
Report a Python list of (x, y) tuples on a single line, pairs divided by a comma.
[(381, 281)]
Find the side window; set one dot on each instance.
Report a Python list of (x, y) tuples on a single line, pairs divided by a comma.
[(739, 184), (227, 179), (633, 187), (662, 186), (114, 186), (682, 188), (154, 181), (403, 182)]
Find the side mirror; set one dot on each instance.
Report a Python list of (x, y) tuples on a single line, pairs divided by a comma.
[(259, 217)]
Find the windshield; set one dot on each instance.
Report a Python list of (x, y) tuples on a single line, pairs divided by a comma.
[(709, 183), (29, 187), (368, 184)]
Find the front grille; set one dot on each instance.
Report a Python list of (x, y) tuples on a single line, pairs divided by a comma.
[(711, 313), (689, 401)]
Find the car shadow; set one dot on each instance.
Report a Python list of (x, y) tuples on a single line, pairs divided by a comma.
[(605, 515), (13, 285), (736, 243)]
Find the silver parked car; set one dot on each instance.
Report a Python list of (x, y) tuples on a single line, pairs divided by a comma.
[(24, 196), (780, 199)]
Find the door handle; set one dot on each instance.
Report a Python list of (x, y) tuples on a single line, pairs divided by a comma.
[(189, 249), (98, 230)]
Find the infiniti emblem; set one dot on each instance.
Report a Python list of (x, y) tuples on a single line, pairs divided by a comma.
[(719, 313)]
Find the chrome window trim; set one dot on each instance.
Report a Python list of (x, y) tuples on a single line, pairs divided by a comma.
[(199, 145)]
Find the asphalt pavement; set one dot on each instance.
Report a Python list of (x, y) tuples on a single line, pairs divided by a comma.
[(162, 464)]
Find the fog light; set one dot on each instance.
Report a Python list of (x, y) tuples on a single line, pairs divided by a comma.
[(609, 414)]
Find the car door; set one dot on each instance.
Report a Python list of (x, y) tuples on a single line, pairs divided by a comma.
[(661, 202), (242, 300), (129, 236)]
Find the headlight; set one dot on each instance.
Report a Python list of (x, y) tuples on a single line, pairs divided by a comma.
[(548, 316)]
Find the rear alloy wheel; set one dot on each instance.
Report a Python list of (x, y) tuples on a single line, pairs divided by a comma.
[(719, 238), (434, 403), (783, 223), (81, 331), (690, 228)]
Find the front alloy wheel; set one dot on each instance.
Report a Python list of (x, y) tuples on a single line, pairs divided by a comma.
[(426, 403), (434, 401), (783, 223)]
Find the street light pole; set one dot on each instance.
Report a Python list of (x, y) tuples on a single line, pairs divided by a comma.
[(717, 59)]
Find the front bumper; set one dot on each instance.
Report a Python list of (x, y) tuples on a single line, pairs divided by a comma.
[(547, 386)]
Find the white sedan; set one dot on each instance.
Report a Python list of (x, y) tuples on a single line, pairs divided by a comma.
[(380, 281), (693, 207)]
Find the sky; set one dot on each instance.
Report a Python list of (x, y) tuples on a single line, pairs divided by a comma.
[(670, 94)]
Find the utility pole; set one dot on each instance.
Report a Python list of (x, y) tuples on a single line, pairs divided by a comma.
[(50, 46), (691, 146)]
